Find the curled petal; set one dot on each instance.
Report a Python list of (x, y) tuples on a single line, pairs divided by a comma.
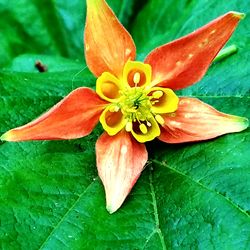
[(145, 131), (112, 121), (120, 161), (73, 117), (196, 121), (164, 100), (137, 74), (108, 46), (184, 61), (108, 87)]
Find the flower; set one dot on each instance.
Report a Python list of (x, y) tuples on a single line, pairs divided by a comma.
[(135, 101)]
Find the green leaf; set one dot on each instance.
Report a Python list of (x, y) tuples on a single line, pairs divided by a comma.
[(48, 27), (25, 27), (162, 21), (190, 196), (159, 19)]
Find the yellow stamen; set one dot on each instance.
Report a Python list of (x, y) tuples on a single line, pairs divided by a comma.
[(129, 126), (143, 128), (159, 119), (149, 124), (137, 77), (157, 94)]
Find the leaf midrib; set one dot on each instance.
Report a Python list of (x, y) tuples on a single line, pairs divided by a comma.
[(234, 205)]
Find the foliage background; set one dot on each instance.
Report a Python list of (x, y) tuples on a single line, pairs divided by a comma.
[(190, 196)]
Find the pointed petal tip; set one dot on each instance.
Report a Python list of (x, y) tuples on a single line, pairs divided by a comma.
[(6, 136), (114, 200), (111, 209), (238, 123), (238, 15), (2, 138), (244, 123), (12, 135)]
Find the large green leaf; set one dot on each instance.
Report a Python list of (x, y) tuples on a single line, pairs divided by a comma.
[(190, 196), (48, 26)]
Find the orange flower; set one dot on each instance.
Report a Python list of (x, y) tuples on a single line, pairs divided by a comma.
[(134, 101)]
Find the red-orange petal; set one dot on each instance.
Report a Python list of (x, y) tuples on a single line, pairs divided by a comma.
[(184, 61), (108, 45), (120, 161), (196, 121), (73, 117)]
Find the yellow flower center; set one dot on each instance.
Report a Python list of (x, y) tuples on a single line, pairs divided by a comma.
[(135, 105)]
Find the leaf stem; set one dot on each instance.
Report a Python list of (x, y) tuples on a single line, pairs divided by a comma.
[(226, 52)]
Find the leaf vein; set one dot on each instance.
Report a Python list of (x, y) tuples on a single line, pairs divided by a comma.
[(205, 187), (148, 239), (65, 215), (215, 96), (157, 221)]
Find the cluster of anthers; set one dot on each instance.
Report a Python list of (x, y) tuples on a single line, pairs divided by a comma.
[(135, 104)]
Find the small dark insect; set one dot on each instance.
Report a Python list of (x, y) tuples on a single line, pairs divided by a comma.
[(40, 66)]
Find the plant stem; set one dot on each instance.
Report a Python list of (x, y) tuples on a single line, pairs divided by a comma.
[(228, 51)]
